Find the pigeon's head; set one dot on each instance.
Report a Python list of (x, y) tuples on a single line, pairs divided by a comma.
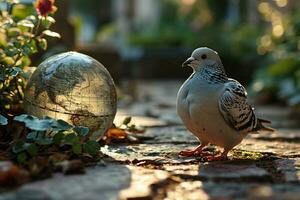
[(203, 57)]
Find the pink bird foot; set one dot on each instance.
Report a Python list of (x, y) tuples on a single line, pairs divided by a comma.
[(198, 151), (190, 153), (221, 157), (216, 158)]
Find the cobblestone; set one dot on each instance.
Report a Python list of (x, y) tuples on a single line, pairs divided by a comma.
[(263, 166)]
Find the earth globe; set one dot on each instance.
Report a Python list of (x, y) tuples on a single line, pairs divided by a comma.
[(75, 88)]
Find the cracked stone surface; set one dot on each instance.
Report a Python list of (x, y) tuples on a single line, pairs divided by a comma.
[(210, 190), (155, 153), (290, 168), (281, 148), (263, 166), (105, 182)]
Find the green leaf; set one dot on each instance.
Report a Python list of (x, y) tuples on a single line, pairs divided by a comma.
[(81, 130), (51, 33), (15, 71), (2, 76), (71, 138), (77, 148), (13, 32), (58, 137), (34, 123), (44, 141), (32, 18), (50, 19), (39, 125), (24, 74), (32, 47), (32, 149), (126, 121), (3, 120), (26, 61), (132, 128), (47, 21), (26, 23), (8, 61), (22, 157), (32, 135), (19, 147), (43, 43), (24, 117), (91, 147), (61, 125)]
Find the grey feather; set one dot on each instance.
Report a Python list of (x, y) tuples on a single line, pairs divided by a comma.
[(234, 107)]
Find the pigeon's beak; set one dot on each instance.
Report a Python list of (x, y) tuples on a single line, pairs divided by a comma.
[(188, 62)]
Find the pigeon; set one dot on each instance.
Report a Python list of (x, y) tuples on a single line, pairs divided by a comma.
[(214, 107)]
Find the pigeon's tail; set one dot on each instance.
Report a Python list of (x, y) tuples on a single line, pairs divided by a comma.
[(261, 127)]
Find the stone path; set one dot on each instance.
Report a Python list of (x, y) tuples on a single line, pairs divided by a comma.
[(264, 166)]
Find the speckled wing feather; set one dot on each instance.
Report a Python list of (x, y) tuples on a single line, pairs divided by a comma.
[(235, 109)]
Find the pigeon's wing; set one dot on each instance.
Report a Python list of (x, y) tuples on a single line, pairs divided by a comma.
[(234, 108)]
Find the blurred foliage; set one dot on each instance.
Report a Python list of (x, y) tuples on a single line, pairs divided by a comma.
[(87, 8), (205, 23), (22, 34), (280, 79)]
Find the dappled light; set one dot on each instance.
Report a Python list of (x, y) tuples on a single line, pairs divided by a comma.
[(149, 99)]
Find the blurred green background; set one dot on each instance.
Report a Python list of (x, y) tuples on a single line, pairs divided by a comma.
[(258, 40)]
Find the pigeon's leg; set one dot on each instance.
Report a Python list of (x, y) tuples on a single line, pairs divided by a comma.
[(223, 156), (198, 151)]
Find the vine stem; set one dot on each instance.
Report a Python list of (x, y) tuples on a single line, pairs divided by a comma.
[(37, 26), (9, 7)]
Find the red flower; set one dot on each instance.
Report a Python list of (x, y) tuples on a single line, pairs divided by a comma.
[(44, 7)]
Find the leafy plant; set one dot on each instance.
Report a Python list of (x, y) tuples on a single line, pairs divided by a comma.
[(279, 80), (20, 38), (36, 146), (46, 134), (205, 23), (123, 132), (3, 120)]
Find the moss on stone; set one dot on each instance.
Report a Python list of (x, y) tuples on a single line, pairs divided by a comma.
[(248, 155)]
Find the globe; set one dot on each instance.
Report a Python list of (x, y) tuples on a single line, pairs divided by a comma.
[(75, 88)]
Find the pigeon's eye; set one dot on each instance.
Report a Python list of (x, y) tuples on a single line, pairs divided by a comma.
[(204, 56)]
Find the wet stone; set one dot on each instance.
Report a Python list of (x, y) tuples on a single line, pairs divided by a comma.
[(161, 111), (263, 166), (231, 170), (212, 190), (156, 154), (279, 148), (141, 181), (225, 170), (93, 185), (109, 182), (290, 168), (171, 134), (187, 190), (183, 170)]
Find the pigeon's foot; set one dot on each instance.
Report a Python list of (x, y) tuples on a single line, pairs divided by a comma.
[(190, 153), (198, 151), (187, 153), (216, 158), (223, 156)]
